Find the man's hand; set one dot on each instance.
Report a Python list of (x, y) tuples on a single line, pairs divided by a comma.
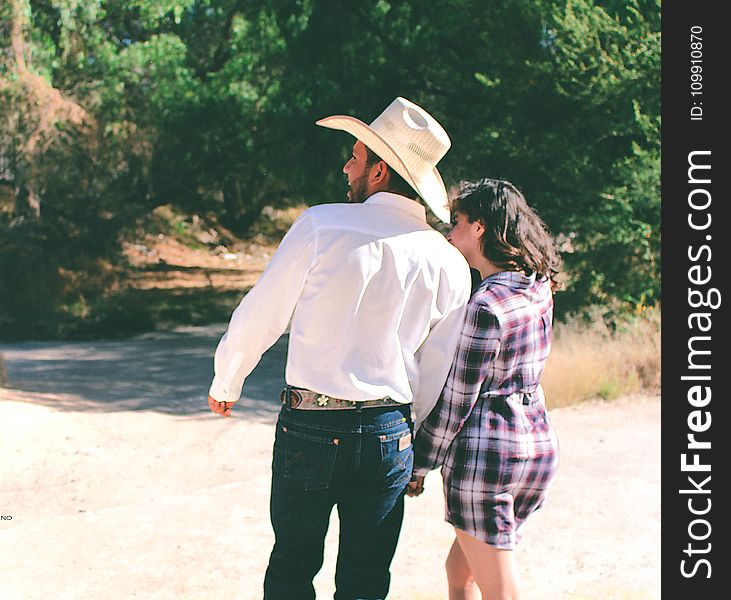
[(416, 486), (220, 408)]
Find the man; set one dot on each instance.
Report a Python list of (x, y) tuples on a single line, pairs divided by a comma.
[(376, 299)]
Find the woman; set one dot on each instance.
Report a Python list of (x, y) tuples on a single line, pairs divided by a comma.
[(489, 431)]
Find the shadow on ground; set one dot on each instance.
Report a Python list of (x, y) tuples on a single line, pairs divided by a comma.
[(164, 372)]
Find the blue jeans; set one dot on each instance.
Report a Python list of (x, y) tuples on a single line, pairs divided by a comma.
[(358, 460)]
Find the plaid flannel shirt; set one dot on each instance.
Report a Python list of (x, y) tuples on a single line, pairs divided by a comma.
[(503, 348)]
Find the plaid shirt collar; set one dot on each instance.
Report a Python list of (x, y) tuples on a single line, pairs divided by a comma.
[(512, 279)]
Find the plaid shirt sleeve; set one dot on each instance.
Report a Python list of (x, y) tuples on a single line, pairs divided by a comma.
[(479, 345)]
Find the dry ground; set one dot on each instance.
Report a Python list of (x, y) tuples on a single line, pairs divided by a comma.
[(165, 263), (121, 484), (117, 482)]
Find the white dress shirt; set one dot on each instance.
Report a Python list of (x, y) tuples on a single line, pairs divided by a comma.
[(376, 299)]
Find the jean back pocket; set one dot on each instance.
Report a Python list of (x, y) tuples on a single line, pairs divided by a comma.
[(397, 457), (309, 458)]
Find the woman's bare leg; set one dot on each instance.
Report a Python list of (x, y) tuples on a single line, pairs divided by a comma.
[(494, 570), (462, 586)]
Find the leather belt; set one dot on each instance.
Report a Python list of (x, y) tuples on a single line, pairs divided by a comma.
[(303, 399)]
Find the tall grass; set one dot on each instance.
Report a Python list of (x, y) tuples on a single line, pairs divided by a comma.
[(3, 373), (590, 361)]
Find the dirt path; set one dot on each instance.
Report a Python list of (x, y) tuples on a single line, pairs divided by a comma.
[(121, 484)]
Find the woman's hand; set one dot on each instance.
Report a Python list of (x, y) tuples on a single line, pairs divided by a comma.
[(416, 486)]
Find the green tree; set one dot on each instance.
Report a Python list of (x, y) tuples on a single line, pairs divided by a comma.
[(110, 108), (79, 125), (561, 97), (605, 61)]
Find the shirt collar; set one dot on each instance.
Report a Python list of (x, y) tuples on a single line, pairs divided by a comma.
[(512, 279), (400, 202)]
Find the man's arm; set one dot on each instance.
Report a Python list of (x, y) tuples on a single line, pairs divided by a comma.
[(479, 344), (435, 358), (263, 314), (436, 353)]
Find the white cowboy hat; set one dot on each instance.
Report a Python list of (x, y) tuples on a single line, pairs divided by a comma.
[(410, 141)]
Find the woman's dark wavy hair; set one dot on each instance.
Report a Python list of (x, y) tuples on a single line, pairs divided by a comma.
[(515, 238)]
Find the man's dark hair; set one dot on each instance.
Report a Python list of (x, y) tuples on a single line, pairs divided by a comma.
[(396, 183), (515, 238)]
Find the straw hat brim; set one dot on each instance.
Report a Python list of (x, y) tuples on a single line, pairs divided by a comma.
[(430, 187)]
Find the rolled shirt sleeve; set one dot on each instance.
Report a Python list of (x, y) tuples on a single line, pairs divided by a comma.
[(263, 314)]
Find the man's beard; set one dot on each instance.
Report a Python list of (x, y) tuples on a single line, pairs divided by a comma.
[(357, 192)]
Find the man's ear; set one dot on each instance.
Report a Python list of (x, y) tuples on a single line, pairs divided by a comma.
[(380, 173)]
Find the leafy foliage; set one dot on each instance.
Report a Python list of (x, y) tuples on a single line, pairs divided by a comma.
[(111, 108)]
